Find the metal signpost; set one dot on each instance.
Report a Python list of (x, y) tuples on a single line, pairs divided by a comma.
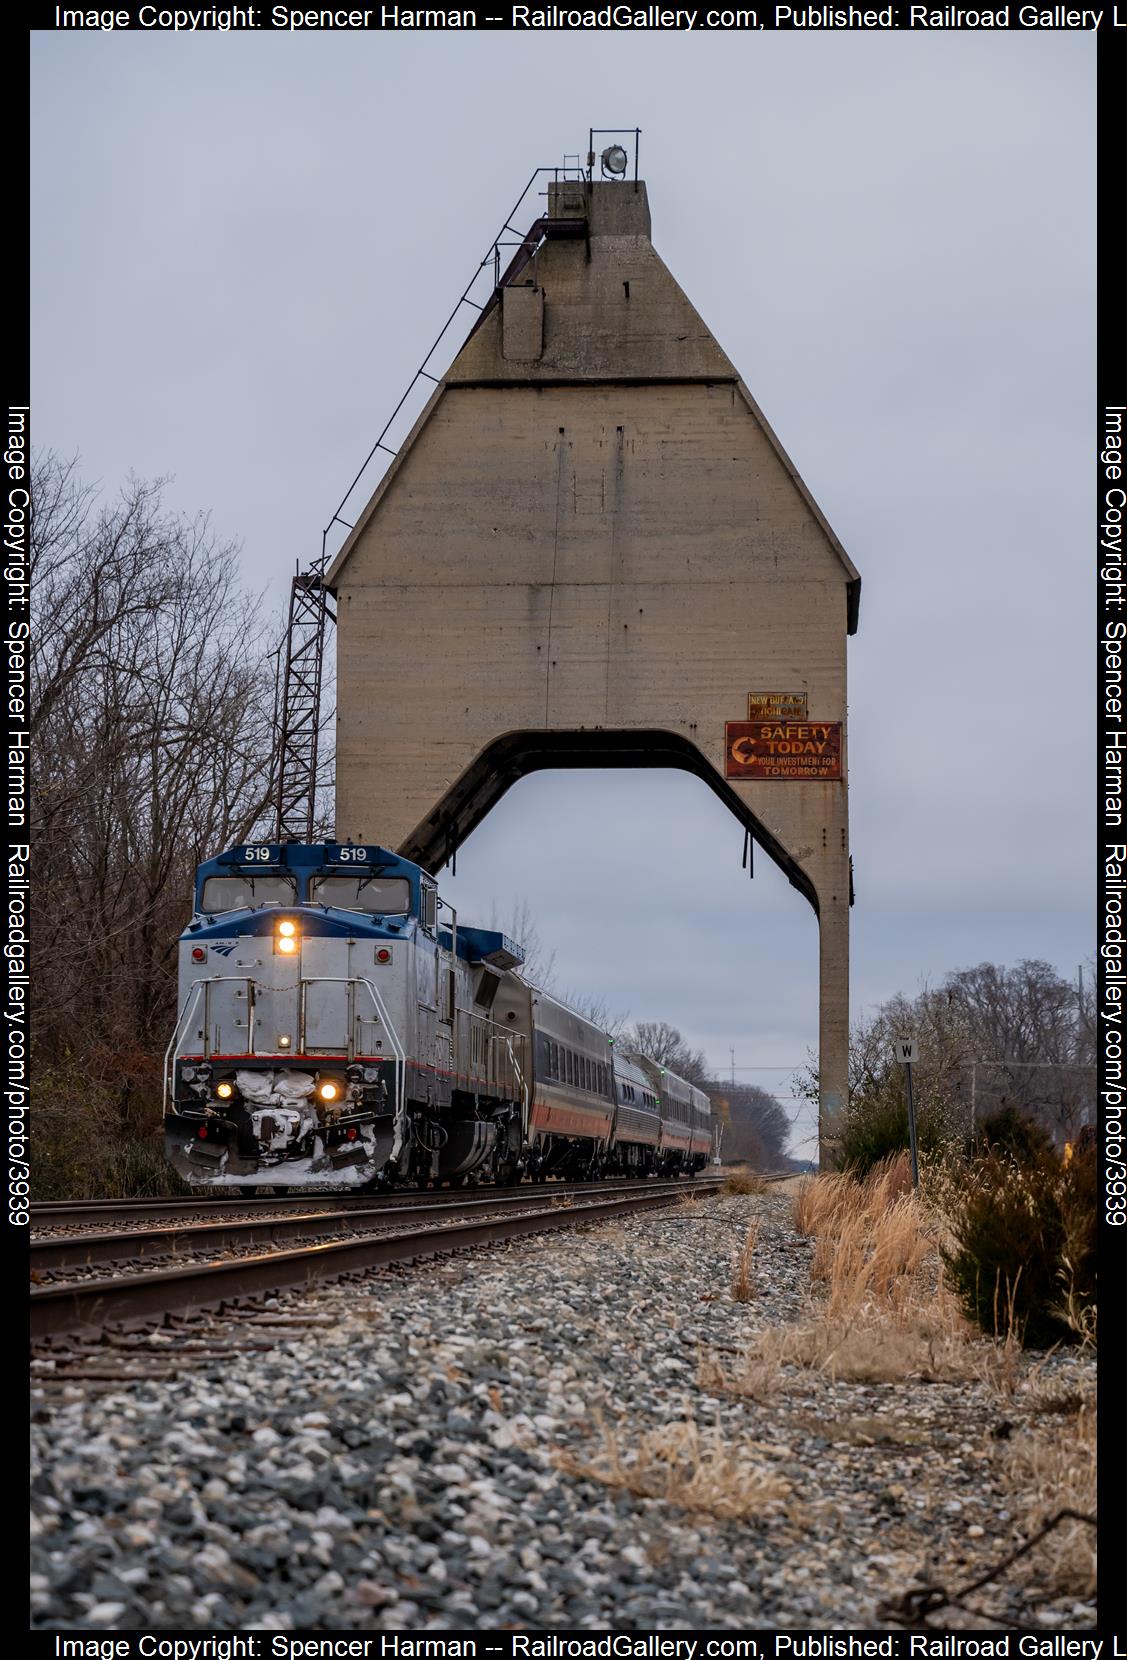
[(906, 1050)]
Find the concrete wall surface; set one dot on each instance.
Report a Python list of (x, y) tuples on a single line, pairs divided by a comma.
[(593, 547)]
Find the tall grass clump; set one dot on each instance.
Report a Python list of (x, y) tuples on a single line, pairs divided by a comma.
[(870, 1240), (881, 1315), (1022, 1257), (742, 1180), (743, 1285)]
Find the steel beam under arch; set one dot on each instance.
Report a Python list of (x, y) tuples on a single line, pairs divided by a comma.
[(517, 754)]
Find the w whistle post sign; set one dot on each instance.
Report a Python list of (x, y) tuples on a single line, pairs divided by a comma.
[(782, 749)]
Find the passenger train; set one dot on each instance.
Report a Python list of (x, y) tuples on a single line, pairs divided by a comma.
[(338, 1026)]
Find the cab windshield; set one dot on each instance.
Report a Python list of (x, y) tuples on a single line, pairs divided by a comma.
[(236, 893), (378, 895)]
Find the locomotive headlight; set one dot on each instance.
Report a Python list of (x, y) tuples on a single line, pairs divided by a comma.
[(286, 937), (224, 1091), (328, 1091), (284, 1040)]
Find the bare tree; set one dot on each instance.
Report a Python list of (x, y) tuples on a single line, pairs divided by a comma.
[(519, 924), (152, 706), (990, 1038), (663, 1044), (597, 1010)]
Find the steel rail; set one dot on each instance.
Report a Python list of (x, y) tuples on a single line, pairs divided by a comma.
[(49, 1213), (92, 1305), (83, 1250)]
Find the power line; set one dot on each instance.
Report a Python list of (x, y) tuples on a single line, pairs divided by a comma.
[(782, 1066)]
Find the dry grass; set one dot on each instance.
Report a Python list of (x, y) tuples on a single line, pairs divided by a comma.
[(1051, 1468), (1048, 1398), (743, 1286), (884, 1314), (822, 1203), (999, 1363), (871, 1239), (756, 1373), (871, 1258), (683, 1466), (867, 1347), (742, 1180), (1079, 1316)]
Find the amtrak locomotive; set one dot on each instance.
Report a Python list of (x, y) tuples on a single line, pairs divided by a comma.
[(338, 1026)]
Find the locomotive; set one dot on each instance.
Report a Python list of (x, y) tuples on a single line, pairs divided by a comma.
[(338, 1026)]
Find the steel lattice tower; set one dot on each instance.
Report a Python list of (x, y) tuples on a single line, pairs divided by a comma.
[(300, 716)]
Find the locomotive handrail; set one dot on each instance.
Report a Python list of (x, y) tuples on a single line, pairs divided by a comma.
[(181, 1021), (204, 984), (502, 1034), (400, 1134), (526, 1115)]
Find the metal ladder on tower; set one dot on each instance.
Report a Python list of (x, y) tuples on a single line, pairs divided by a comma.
[(299, 722), (299, 712)]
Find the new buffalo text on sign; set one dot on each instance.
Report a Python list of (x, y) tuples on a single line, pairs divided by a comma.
[(777, 706)]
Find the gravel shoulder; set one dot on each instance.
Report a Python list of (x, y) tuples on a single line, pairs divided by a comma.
[(410, 1452)]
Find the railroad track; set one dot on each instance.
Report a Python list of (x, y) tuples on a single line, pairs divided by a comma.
[(94, 1213), (92, 1306), (187, 1232)]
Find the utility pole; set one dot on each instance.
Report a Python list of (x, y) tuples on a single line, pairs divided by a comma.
[(732, 1054)]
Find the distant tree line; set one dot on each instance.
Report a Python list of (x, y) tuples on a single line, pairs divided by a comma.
[(992, 1040), (755, 1125)]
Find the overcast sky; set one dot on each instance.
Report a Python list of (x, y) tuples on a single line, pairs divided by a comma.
[(242, 246)]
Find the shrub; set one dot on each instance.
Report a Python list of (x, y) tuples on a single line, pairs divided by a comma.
[(875, 1127), (1023, 1259), (1078, 1197), (81, 1150), (1013, 1132)]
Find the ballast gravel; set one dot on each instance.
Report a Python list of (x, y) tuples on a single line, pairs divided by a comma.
[(406, 1451)]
